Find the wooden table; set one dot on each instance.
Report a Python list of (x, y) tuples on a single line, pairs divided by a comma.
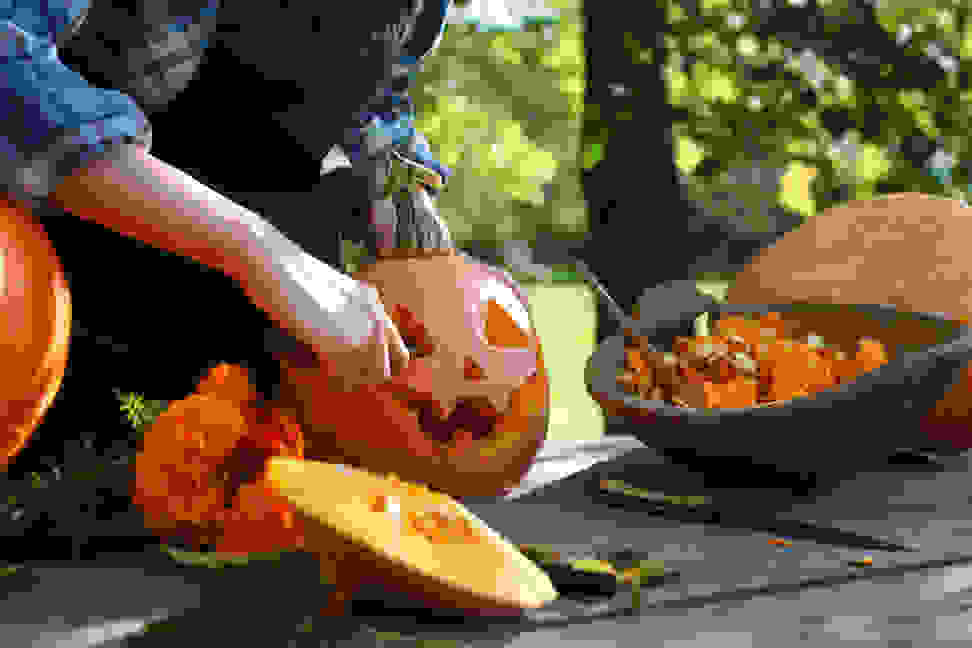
[(736, 589)]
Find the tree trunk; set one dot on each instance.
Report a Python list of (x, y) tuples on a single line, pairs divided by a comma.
[(641, 221)]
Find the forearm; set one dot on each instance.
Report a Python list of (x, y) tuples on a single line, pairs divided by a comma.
[(138, 195)]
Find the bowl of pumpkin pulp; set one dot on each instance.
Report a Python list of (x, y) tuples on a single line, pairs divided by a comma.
[(803, 387)]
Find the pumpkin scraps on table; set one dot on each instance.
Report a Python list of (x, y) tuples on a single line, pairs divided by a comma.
[(600, 576), (224, 472), (747, 362), (199, 469)]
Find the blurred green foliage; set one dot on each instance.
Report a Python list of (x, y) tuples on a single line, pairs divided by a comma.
[(503, 110), (737, 87)]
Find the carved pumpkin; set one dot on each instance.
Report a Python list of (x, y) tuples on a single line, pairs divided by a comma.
[(35, 327), (370, 529), (469, 414)]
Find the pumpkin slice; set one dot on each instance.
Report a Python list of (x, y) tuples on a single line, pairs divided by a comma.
[(369, 528)]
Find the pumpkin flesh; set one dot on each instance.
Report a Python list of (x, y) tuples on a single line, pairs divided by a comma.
[(349, 524)]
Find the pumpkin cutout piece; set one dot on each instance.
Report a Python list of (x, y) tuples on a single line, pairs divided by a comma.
[(230, 382), (367, 528), (199, 471), (35, 327), (469, 413)]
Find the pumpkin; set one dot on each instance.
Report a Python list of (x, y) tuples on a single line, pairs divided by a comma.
[(907, 250), (469, 414), (35, 326), (367, 528)]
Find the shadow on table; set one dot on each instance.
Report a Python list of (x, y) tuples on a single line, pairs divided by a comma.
[(267, 604), (738, 495)]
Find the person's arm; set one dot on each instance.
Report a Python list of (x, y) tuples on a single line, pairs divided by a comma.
[(135, 194), (138, 195)]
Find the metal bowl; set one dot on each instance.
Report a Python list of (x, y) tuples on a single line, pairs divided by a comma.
[(869, 419)]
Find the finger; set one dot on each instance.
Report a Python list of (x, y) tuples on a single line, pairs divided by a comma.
[(381, 331), (399, 352), (376, 356)]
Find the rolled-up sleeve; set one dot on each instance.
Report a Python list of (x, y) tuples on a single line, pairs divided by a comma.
[(52, 121)]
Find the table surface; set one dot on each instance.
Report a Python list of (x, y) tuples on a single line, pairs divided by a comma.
[(735, 588)]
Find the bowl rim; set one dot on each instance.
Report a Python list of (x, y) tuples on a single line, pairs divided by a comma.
[(611, 350)]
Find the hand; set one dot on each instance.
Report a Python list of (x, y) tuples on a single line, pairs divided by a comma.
[(380, 356), (341, 320)]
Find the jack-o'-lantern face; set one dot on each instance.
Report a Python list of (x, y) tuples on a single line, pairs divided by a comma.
[(470, 412), (470, 335)]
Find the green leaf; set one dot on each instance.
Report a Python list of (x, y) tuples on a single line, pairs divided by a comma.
[(8, 570), (702, 325), (160, 626), (138, 411), (688, 154), (795, 189), (540, 553), (872, 163), (746, 45), (713, 6), (712, 84), (592, 565), (620, 487), (215, 560), (593, 155)]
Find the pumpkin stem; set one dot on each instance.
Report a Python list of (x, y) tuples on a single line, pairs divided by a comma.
[(408, 225), (403, 219)]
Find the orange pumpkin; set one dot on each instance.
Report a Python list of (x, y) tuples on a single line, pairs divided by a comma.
[(905, 249), (35, 326), (469, 414)]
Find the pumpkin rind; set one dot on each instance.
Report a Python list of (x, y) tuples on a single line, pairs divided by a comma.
[(35, 311)]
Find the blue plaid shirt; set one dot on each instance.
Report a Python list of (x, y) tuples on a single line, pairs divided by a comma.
[(53, 122)]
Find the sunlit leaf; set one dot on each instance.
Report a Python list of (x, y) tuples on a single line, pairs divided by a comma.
[(795, 192), (687, 154)]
